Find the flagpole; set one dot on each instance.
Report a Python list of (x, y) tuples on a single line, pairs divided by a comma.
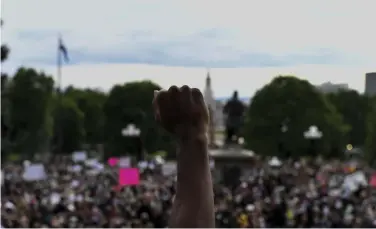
[(59, 63), (59, 94)]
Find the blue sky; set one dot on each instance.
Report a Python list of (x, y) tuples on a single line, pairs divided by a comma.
[(139, 39)]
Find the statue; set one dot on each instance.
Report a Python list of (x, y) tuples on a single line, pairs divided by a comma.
[(233, 111)]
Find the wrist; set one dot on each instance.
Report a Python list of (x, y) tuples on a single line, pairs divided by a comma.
[(193, 138)]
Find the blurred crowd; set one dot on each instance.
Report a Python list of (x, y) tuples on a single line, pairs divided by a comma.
[(304, 194)]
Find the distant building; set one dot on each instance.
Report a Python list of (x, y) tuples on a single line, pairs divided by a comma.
[(332, 88), (370, 88)]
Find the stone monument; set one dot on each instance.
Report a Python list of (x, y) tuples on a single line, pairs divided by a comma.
[(211, 103), (234, 112)]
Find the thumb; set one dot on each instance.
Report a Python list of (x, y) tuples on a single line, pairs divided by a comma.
[(155, 93)]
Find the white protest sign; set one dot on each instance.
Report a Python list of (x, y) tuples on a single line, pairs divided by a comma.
[(159, 160), (360, 177), (98, 166), (76, 168), (354, 180), (91, 162), (143, 164), (79, 156), (275, 162), (124, 162), (26, 163), (75, 183), (169, 168), (34, 172), (55, 198)]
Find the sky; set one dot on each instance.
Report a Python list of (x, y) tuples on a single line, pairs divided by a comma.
[(243, 43)]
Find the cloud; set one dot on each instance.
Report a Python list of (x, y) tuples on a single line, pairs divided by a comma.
[(195, 33), (245, 43)]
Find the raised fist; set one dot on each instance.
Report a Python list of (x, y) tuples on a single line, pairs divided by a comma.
[(181, 111)]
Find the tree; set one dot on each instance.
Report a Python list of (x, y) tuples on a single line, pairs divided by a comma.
[(131, 103), (371, 132), (91, 103), (4, 101), (69, 125), (354, 108), (4, 52), (295, 104), (30, 97), (4, 48)]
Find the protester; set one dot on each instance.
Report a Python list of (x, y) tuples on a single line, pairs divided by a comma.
[(266, 197)]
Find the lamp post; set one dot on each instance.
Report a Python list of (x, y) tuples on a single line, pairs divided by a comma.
[(132, 131), (313, 134), (282, 139)]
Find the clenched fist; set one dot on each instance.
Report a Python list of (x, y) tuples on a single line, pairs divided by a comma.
[(181, 111)]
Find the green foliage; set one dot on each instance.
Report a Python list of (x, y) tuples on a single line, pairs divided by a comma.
[(91, 103), (131, 103), (371, 132), (29, 99), (354, 108), (4, 49), (69, 124), (295, 102)]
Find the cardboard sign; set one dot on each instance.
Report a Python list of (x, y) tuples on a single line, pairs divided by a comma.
[(34, 172), (79, 156), (169, 168), (112, 161), (129, 176), (124, 162)]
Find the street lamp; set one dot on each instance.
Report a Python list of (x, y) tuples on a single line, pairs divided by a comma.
[(284, 128), (282, 139), (313, 134), (133, 132)]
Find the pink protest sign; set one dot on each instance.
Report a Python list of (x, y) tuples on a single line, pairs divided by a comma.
[(372, 181), (129, 176), (113, 161)]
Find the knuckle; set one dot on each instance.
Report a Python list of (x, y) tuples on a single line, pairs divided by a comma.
[(173, 89), (196, 92), (185, 88)]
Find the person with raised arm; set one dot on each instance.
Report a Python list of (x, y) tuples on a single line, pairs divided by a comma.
[(183, 113)]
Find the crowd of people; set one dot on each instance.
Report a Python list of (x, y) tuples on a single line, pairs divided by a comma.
[(306, 194)]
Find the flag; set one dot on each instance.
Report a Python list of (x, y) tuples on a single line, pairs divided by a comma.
[(63, 50)]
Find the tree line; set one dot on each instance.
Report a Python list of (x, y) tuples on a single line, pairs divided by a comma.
[(36, 117)]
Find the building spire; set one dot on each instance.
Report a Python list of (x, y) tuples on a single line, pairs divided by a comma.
[(210, 101), (208, 79)]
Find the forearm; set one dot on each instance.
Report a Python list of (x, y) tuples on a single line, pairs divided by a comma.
[(194, 204)]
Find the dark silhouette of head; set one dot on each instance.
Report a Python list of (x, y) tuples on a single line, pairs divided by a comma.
[(235, 95)]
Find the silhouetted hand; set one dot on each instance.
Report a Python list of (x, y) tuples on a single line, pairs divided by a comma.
[(181, 111)]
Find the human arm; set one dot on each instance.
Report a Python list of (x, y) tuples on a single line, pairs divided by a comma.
[(184, 113), (194, 202)]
